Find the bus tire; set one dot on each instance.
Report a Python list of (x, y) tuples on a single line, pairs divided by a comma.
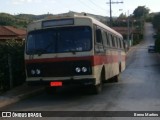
[(115, 78), (96, 89), (120, 68)]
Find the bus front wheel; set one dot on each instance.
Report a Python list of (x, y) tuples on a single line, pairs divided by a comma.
[(96, 89)]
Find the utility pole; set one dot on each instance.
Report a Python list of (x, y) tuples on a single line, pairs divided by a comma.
[(110, 5)]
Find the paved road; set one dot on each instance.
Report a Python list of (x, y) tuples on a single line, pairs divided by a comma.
[(137, 90)]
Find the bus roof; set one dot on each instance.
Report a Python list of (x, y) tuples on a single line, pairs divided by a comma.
[(100, 24), (38, 24)]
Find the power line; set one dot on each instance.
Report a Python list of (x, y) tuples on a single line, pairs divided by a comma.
[(115, 2), (97, 5), (63, 4), (86, 5)]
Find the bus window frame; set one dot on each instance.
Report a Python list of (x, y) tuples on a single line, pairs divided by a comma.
[(99, 46), (113, 41), (120, 43), (108, 39), (99, 41), (117, 41), (105, 44)]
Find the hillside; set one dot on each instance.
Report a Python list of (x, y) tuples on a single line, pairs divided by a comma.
[(30, 17), (11, 20), (22, 20), (98, 17)]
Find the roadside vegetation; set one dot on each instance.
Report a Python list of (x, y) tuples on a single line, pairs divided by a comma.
[(12, 67), (156, 25), (19, 21), (11, 20), (134, 22), (12, 72)]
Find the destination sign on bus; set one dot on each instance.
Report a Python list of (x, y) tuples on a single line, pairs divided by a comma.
[(59, 22)]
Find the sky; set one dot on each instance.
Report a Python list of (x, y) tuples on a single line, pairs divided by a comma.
[(98, 7)]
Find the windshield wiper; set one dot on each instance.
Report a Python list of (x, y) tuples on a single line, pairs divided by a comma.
[(40, 51), (73, 51)]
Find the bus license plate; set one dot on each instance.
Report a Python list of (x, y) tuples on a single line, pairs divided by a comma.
[(55, 84)]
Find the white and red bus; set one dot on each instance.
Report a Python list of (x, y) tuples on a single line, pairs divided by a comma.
[(73, 50)]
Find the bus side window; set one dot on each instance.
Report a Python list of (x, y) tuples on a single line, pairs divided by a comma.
[(123, 45), (98, 36), (120, 43), (110, 39), (107, 39), (104, 39), (113, 41), (116, 42)]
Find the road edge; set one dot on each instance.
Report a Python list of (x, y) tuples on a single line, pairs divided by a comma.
[(11, 100)]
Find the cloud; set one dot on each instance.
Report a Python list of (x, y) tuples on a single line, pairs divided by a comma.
[(19, 2)]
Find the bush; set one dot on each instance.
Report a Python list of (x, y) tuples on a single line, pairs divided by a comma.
[(157, 43), (156, 21), (11, 64), (136, 41)]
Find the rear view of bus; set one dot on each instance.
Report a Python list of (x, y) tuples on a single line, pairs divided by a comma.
[(61, 51)]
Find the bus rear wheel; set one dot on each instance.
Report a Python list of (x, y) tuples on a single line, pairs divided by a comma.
[(116, 78)]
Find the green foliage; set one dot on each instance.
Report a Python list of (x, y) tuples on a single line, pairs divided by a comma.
[(149, 18), (122, 16), (157, 43), (156, 25), (21, 20), (136, 41), (30, 17), (141, 11), (156, 22), (12, 52), (10, 20)]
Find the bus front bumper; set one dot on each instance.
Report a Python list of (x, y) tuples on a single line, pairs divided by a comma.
[(65, 82)]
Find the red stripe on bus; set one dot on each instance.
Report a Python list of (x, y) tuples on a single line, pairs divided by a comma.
[(95, 60), (44, 60)]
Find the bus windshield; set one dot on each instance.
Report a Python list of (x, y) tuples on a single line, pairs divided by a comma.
[(59, 40)]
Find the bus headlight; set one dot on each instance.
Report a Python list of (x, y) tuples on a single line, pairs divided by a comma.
[(78, 69), (33, 72), (38, 71), (84, 69)]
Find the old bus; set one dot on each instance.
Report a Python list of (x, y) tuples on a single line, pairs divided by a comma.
[(73, 50)]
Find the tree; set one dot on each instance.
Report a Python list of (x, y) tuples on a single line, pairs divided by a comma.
[(122, 16), (141, 11), (156, 21), (156, 25), (12, 20)]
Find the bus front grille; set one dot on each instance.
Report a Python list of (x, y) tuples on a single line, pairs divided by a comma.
[(57, 69)]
